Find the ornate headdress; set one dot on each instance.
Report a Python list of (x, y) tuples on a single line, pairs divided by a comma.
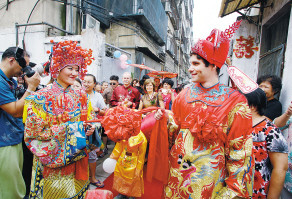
[(216, 46), (67, 53)]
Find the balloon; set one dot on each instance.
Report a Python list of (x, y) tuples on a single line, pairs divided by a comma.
[(129, 61), (109, 165), (117, 54), (123, 57), (124, 65)]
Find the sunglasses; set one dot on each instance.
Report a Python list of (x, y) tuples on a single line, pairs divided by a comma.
[(113, 83)]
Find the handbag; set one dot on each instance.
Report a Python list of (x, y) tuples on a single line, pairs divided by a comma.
[(75, 142), (95, 138)]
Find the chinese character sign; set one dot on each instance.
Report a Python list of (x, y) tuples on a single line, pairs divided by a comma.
[(245, 47)]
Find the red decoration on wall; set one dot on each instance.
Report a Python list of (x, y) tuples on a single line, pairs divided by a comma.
[(245, 47)]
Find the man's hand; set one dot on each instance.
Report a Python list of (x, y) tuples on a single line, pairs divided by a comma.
[(158, 115), (289, 110), (90, 131), (33, 81), (96, 109)]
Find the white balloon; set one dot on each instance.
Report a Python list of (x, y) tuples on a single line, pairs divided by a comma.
[(109, 165)]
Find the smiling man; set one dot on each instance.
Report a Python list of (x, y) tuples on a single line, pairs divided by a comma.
[(126, 94), (212, 154)]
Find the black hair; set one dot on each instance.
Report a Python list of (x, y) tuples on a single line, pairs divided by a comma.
[(132, 83), (78, 80), (145, 77), (141, 82), (274, 80), (104, 82), (114, 77), (168, 81), (205, 62), (11, 52), (90, 75), (258, 100)]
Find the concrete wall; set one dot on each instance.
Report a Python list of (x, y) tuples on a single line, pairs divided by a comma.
[(247, 65), (270, 12), (286, 93)]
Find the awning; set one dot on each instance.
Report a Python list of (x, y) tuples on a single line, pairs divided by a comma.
[(230, 6), (150, 54)]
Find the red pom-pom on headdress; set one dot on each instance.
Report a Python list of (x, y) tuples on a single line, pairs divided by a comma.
[(67, 53)]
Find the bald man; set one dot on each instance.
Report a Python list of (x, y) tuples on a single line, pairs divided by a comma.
[(126, 94)]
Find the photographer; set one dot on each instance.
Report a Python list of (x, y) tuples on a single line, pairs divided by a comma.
[(29, 71), (14, 60)]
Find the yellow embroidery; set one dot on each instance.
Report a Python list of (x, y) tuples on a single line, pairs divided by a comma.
[(240, 108)]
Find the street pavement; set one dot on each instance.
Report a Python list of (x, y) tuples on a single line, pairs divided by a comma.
[(100, 173)]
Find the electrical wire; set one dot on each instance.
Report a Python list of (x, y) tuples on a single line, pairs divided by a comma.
[(5, 4), (28, 21)]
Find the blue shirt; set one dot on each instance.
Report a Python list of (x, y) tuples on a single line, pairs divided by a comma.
[(11, 132)]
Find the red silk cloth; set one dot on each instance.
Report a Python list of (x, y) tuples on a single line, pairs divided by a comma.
[(158, 160)]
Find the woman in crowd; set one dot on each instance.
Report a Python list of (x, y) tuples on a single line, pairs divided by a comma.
[(150, 98), (77, 84), (104, 86), (270, 150), (157, 84), (54, 127), (98, 105), (168, 94), (271, 85), (98, 88), (134, 82)]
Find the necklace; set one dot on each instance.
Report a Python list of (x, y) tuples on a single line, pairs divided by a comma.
[(151, 98)]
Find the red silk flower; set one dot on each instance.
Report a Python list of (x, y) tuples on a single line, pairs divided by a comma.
[(120, 123), (205, 126)]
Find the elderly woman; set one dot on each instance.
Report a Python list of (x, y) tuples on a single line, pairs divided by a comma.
[(55, 118), (270, 150), (271, 85), (150, 98)]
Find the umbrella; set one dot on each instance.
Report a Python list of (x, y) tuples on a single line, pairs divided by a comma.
[(142, 67), (162, 74)]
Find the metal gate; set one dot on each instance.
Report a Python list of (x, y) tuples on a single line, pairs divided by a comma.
[(272, 62)]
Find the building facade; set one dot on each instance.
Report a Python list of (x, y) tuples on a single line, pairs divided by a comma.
[(262, 44)]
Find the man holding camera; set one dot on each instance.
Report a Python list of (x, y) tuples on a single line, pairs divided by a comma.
[(14, 60)]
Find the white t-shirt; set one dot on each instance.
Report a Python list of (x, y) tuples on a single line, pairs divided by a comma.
[(97, 101)]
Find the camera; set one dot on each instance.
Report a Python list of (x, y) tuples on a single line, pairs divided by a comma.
[(28, 71)]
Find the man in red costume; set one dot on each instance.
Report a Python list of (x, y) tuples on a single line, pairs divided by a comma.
[(212, 154), (126, 94)]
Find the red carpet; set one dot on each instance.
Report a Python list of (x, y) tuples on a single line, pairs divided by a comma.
[(153, 190)]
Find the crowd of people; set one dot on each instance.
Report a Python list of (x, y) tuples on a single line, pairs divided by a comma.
[(203, 140)]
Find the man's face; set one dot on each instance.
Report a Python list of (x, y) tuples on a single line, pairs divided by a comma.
[(198, 70), (114, 83), (88, 84), (268, 89), (157, 81), (127, 80), (17, 69), (104, 86)]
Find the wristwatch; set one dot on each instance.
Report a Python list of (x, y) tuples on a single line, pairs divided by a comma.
[(30, 92)]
